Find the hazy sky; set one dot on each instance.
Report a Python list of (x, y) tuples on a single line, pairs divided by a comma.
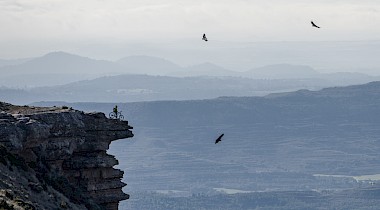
[(29, 27)]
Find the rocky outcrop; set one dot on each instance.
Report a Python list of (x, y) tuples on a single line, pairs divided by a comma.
[(66, 149)]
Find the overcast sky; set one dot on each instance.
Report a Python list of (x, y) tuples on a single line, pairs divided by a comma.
[(35, 26)]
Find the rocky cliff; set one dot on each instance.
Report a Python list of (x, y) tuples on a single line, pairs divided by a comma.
[(57, 157)]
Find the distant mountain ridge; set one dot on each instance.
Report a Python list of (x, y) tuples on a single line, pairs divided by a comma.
[(134, 88), (55, 68), (58, 63), (58, 68), (359, 102), (67, 77), (131, 88)]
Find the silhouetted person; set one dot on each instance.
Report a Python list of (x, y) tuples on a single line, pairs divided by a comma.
[(313, 24), (219, 138), (115, 110), (204, 37)]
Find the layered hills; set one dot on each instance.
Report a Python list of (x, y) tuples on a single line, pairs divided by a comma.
[(60, 76)]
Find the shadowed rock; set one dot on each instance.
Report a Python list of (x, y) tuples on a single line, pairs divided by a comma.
[(68, 148)]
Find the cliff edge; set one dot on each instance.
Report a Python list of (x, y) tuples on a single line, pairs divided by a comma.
[(56, 158)]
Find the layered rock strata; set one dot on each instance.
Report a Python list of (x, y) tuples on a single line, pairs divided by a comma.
[(66, 149)]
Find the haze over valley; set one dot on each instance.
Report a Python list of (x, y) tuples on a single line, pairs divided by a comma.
[(286, 145), (294, 135), (60, 76), (192, 104)]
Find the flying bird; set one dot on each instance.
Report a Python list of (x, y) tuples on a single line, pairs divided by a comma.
[(204, 37), (219, 138), (313, 24)]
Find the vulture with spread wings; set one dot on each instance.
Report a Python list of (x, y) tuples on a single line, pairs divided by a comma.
[(313, 24), (219, 139)]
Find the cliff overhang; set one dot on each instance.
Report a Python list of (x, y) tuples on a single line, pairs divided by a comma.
[(66, 149)]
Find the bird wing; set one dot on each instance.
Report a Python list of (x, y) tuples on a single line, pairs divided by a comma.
[(219, 138), (313, 24)]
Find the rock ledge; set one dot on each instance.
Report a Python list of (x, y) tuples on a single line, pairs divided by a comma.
[(66, 149)]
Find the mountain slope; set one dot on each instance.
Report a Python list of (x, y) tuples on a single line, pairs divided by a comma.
[(148, 65), (303, 140), (61, 62), (10, 62), (55, 68), (132, 88), (58, 68), (282, 71), (204, 69), (357, 103)]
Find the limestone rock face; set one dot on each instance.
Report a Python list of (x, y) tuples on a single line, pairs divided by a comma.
[(67, 148)]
